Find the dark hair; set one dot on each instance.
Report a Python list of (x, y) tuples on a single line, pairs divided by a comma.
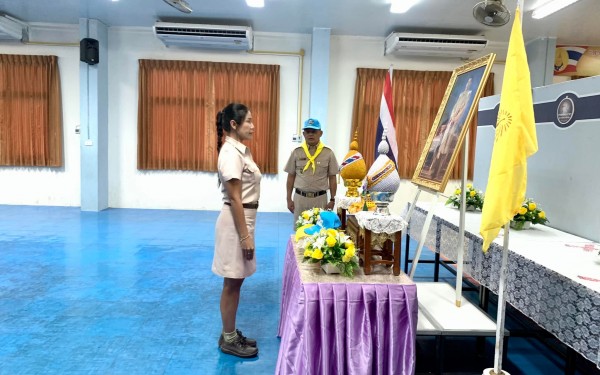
[(233, 111)]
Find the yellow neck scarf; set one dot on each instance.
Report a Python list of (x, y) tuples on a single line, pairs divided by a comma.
[(311, 158)]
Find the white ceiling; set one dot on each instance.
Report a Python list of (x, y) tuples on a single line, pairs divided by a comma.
[(576, 24)]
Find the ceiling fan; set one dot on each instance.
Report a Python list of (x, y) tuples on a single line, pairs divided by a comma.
[(491, 13), (180, 5)]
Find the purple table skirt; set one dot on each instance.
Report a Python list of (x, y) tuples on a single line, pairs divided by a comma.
[(345, 328)]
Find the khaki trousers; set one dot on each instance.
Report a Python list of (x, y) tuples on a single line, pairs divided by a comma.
[(303, 203)]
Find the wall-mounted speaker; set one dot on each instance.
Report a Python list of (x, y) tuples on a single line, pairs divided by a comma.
[(88, 51)]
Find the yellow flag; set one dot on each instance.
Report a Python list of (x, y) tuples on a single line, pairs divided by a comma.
[(515, 141)]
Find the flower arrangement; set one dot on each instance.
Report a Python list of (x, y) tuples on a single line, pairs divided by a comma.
[(309, 217), (474, 198), (330, 246), (529, 211)]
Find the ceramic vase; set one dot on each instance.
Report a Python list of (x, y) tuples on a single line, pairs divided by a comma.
[(330, 268), (520, 225)]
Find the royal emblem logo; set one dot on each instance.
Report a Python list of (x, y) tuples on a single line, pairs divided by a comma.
[(503, 123), (565, 110)]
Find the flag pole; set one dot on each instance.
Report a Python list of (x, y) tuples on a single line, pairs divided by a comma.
[(511, 149), (501, 313)]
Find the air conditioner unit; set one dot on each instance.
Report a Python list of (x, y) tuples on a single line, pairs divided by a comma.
[(204, 36), (433, 44), (11, 28)]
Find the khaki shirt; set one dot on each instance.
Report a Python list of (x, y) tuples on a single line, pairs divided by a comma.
[(326, 165), (235, 161)]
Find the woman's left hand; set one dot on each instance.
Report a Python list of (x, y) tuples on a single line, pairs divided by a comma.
[(248, 248), (248, 254)]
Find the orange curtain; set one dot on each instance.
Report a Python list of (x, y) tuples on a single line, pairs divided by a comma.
[(178, 103), (30, 111), (417, 96)]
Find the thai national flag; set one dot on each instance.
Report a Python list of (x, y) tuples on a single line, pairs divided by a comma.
[(575, 54), (386, 120)]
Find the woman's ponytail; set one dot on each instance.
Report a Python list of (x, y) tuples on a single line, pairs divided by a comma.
[(219, 131)]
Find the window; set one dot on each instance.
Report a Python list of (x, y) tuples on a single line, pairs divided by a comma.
[(178, 103), (30, 111)]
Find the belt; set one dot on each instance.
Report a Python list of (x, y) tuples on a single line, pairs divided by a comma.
[(311, 194), (253, 205)]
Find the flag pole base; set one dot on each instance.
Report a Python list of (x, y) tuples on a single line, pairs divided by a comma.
[(490, 371)]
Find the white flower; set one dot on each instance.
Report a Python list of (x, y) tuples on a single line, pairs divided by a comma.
[(342, 237), (319, 242)]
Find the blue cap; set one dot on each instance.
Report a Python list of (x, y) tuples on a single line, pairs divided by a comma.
[(312, 123)]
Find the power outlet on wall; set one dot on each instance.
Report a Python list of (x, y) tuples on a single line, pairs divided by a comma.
[(296, 138)]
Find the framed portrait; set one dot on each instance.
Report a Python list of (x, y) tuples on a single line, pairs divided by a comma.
[(450, 125)]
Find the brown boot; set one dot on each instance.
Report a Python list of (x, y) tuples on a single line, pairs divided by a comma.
[(249, 341), (238, 347)]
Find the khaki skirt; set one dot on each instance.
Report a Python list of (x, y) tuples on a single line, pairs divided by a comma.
[(228, 260)]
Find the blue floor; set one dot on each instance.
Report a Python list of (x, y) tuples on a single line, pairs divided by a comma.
[(129, 291)]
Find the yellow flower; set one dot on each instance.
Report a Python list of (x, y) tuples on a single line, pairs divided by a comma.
[(457, 192), (332, 232), (350, 252), (348, 244), (522, 210), (305, 215), (346, 259), (542, 215), (317, 254), (307, 253), (532, 206), (331, 241), (472, 193), (316, 209), (469, 186)]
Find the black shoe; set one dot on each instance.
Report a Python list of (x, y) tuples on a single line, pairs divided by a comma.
[(249, 341), (238, 347)]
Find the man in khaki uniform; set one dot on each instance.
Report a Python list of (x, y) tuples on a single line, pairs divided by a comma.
[(311, 172)]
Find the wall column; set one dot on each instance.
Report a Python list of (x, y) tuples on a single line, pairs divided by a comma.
[(540, 57), (93, 105)]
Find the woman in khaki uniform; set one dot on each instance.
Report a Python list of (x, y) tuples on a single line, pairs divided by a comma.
[(239, 178)]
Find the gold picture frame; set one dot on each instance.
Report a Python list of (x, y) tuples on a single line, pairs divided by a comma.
[(448, 132)]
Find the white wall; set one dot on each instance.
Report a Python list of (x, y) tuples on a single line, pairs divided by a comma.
[(562, 173), (49, 186), (129, 187)]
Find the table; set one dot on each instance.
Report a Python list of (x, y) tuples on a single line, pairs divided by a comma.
[(330, 324), (439, 317), (342, 212), (553, 277), (343, 203), (366, 239)]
